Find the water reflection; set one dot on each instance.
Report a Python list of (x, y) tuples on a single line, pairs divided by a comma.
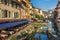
[(51, 27), (41, 36)]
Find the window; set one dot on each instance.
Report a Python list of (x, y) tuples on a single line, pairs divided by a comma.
[(12, 4), (18, 6), (4, 13), (23, 13), (24, 3), (4, 1), (8, 1), (16, 15), (9, 14), (0, 1)]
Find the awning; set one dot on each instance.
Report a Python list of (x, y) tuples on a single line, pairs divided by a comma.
[(12, 24)]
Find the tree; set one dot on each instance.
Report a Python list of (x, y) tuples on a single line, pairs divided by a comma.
[(40, 17)]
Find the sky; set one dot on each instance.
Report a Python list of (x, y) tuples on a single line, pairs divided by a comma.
[(44, 4)]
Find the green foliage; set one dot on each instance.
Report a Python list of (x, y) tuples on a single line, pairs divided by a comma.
[(22, 33), (39, 17), (30, 37), (28, 30), (39, 25), (13, 38)]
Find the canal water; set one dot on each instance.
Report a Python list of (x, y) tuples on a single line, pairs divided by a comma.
[(51, 26), (41, 36), (45, 36)]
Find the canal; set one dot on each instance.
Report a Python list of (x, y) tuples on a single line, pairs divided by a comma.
[(43, 36), (37, 36)]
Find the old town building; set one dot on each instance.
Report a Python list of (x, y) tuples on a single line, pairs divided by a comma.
[(58, 17), (9, 10)]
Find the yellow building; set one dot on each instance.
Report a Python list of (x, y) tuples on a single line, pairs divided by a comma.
[(37, 11), (27, 7), (24, 14)]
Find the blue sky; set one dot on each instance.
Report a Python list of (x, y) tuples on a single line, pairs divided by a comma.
[(44, 4)]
